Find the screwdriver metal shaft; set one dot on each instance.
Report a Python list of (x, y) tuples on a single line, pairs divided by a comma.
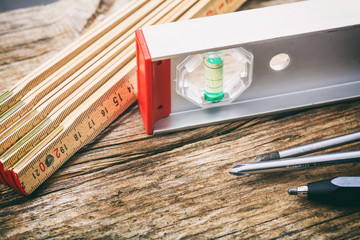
[(311, 147), (295, 163)]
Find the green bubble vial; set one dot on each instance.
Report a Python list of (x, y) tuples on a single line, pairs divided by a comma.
[(213, 74)]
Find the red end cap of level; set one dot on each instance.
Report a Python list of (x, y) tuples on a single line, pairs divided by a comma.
[(154, 86)]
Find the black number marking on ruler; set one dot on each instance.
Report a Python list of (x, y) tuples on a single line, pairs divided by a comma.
[(101, 113)]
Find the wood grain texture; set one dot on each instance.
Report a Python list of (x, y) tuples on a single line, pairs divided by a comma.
[(126, 184)]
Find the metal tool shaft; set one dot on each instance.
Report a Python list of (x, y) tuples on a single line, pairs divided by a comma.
[(295, 163), (311, 147)]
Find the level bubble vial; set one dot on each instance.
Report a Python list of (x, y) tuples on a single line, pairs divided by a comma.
[(214, 78)]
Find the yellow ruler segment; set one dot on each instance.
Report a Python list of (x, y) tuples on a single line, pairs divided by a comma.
[(92, 116), (11, 97), (47, 85)]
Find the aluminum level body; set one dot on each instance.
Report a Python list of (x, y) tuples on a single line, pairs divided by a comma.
[(321, 39)]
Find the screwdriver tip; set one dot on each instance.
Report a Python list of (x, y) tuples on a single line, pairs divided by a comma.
[(293, 191), (236, 170)]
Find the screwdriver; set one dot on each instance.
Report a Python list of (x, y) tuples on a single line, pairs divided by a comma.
[(310, 147), (340, 191)]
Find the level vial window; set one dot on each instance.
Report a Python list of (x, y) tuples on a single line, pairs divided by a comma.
[(214, 78)]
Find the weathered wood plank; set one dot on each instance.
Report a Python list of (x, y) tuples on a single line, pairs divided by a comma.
[(126, 184)]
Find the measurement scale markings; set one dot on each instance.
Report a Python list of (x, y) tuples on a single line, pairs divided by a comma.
[(10, 137), (17, 124), (96, 81), (42, 145), (59, 114), (23, 140), (36, 94), (13, 154), (9, 98), (78, 130), (48, 161), (11, 111), (5, 96)]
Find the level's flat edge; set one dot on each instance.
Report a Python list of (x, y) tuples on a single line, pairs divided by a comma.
[(233, 29), (258, 107)]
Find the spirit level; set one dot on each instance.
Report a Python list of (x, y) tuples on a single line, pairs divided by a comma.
[(262, 61)]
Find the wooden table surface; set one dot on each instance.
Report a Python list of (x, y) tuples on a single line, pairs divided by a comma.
[(126, 184)]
